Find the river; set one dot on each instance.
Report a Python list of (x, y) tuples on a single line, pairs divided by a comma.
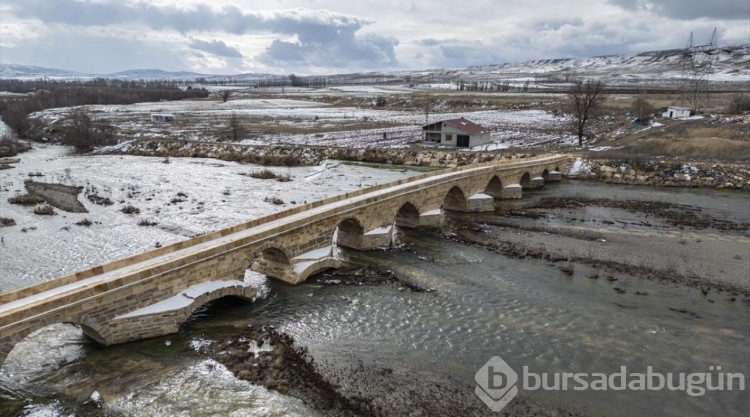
[(484, 304)]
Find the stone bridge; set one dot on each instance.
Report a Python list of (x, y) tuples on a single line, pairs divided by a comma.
[(153, 293)]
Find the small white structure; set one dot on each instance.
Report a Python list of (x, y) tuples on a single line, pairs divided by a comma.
[(677, 112), (162, 117), (460, 133)]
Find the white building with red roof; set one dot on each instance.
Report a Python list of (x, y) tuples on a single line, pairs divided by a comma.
[(461, 133)]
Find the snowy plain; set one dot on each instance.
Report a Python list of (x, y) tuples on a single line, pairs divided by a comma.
[(185, 197)]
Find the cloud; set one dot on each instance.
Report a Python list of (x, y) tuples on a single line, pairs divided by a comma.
[(215, 47), (690, 10), (320, 37)]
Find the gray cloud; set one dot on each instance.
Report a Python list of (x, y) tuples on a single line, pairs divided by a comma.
[(218, 48), (690, 9), (323, 38)]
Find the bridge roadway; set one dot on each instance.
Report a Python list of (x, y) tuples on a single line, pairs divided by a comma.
[(152, 293)]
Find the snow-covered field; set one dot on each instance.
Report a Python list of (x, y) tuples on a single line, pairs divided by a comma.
[(330, 125), (185, 197)]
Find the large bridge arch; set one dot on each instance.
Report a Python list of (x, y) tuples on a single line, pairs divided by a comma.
[(525, 180), (349, 233), (407, 215), (494, 187), (545, 174), (455, 199)]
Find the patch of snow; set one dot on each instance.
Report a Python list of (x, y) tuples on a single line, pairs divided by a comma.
[(480, 196), (259, 282), (436, 212), (183, 299), (200, 345), (95, 397), (380, 231), (258, 348), (316, 254)]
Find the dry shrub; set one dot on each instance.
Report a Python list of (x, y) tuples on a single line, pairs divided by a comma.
[(5, 221), (26, 200), (130, 209), (84, 222), (44, 210)]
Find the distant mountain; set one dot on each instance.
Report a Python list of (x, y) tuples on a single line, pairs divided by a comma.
[(30, 71), (731, 63), (155, 74)]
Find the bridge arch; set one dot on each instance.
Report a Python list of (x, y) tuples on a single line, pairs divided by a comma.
[(455, 199), (348, 233), (494, 187), (545, 174), (86, 331), (525, 180), (407, 215)]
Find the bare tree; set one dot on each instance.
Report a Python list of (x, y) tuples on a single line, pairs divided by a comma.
[(584, 98), (642, 109), (235, 129), (225, 95), (85, 134)]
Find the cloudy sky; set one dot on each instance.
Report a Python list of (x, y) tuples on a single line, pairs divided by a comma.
[(336, 36)]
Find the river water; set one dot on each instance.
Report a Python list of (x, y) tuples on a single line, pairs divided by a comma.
[(526, 311)]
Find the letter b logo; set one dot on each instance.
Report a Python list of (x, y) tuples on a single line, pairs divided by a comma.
[(496, 384)]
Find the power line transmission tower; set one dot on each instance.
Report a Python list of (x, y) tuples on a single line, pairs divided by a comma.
[(697, 66)]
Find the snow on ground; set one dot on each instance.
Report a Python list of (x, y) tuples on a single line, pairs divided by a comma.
[(185, 197), (202, 119)]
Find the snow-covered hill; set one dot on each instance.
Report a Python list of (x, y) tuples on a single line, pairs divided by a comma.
[(731, 63)]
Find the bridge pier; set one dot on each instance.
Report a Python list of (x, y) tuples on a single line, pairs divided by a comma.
[(478, 203), (536, 182), (512, 191), (554, 176), (380, 237)]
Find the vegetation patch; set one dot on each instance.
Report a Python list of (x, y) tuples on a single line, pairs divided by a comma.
[(102, 201), (26, 200), (6, 221), (130, 209), (146, 222), (44, 210), (84, 222)]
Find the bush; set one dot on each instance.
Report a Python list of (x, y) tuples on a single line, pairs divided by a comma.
[(84, 222), (274, 200), (265, 174), (130, 209), (44, 210), (102, 201), (740, 103), (5, 221), (26, 200), (145, 222)]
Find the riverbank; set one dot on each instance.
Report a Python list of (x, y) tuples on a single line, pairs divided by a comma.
[(662, 173), (302, 155), (271, 358)]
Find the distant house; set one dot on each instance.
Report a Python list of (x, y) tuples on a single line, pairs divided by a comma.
[(676, 112), (162, 117), (460, 133)]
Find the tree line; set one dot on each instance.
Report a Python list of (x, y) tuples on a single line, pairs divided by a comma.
[(46, 94)]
